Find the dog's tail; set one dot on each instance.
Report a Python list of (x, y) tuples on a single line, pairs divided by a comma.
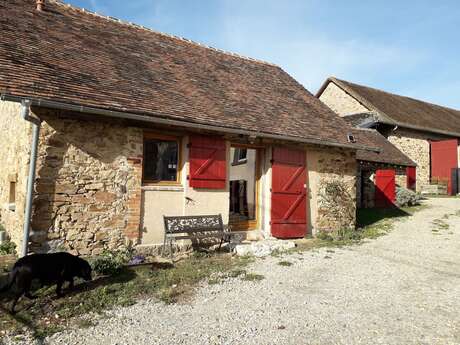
[(9, 284)]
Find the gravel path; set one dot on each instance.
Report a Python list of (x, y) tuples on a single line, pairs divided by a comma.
[(403, 288)]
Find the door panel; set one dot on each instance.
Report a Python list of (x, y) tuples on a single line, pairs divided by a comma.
[(443, 159), (208, 162), (385, 188), (289, 195), (411, 178)]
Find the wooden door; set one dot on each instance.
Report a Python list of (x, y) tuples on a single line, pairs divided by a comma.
[(385, 188), (288, 193), (444, 158), (411, 178)]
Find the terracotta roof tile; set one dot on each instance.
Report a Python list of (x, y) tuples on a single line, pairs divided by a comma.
[(402, 110), (67, 55), (388, 154)]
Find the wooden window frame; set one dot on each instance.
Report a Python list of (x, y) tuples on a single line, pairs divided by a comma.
[(178, 140), (236, 160)]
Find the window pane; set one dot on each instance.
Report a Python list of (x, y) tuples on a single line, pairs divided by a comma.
[(160, 160), (242, 154)]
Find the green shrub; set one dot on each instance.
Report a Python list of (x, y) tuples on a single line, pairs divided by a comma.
[(406, 197), (111, 262), (7, 248)]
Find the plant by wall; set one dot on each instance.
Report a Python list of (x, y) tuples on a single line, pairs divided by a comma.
[(7, 248), (406, 197), (112, 262)]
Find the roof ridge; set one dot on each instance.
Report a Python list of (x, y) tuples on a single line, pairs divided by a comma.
[(394, 94), (367, 129), (142, 27)]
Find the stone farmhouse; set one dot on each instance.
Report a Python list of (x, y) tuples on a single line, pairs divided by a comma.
[(425, 132), (131, 124)]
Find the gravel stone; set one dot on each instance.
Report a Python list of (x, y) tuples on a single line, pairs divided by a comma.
[(403, 288)]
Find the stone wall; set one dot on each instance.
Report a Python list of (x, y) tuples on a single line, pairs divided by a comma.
[(14, 165), (368, 181), (326, 165), (88, 186), (341, 102), (415, 144)]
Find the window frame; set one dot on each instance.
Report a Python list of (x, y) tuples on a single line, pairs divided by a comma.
[(236, 157), (157, 136)]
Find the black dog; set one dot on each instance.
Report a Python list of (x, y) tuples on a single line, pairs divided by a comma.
[(48, 269)]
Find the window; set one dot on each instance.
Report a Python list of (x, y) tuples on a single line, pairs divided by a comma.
[(12, 197), (161, 160), (240, 156)]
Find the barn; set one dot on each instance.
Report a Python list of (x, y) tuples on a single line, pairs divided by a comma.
[(427, 133)]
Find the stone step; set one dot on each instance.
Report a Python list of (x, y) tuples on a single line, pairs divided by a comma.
[(263, 248), (434, 189)]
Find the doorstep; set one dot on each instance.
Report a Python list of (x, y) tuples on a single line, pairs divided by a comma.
[(263, 248)]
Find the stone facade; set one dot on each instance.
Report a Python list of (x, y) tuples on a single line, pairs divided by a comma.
[(340, 101), (416, 145), (326, 165), (89, 194), (368, 188), (88, 185), (14, 166)]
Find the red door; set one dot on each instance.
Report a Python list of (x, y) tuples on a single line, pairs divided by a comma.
[(385, 188), (443, 159), (289, 193), (411, 178)]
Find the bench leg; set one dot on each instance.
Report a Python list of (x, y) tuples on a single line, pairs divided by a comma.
[(164, 247), (171, 249), (220, 244)]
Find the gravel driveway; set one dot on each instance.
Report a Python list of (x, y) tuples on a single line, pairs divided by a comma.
[(403, 288)]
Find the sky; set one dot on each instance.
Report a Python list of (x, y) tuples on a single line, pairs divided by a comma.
[(407, 47)]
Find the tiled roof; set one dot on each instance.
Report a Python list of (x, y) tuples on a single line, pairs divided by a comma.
[(401, 110), (68, 55), (388, 154)]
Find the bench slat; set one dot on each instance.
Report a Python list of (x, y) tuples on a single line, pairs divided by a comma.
[(188, 224)]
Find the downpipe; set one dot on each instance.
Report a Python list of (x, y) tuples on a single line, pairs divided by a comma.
[(36, 124)]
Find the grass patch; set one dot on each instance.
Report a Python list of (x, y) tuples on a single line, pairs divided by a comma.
[(285, 263), (47, 314), (372, 223), (370, 216), (252, 277)]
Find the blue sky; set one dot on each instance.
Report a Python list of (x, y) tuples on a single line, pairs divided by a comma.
[(407, 47)]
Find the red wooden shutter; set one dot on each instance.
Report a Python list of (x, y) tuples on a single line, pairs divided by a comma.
[(385, 188), (411, 178), (208, 168)]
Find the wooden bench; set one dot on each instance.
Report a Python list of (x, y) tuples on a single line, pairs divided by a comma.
[(194, 227)]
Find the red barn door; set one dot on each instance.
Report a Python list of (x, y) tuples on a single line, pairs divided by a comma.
[(289, 193), (443, 159), (385, 188), (411, 178)]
